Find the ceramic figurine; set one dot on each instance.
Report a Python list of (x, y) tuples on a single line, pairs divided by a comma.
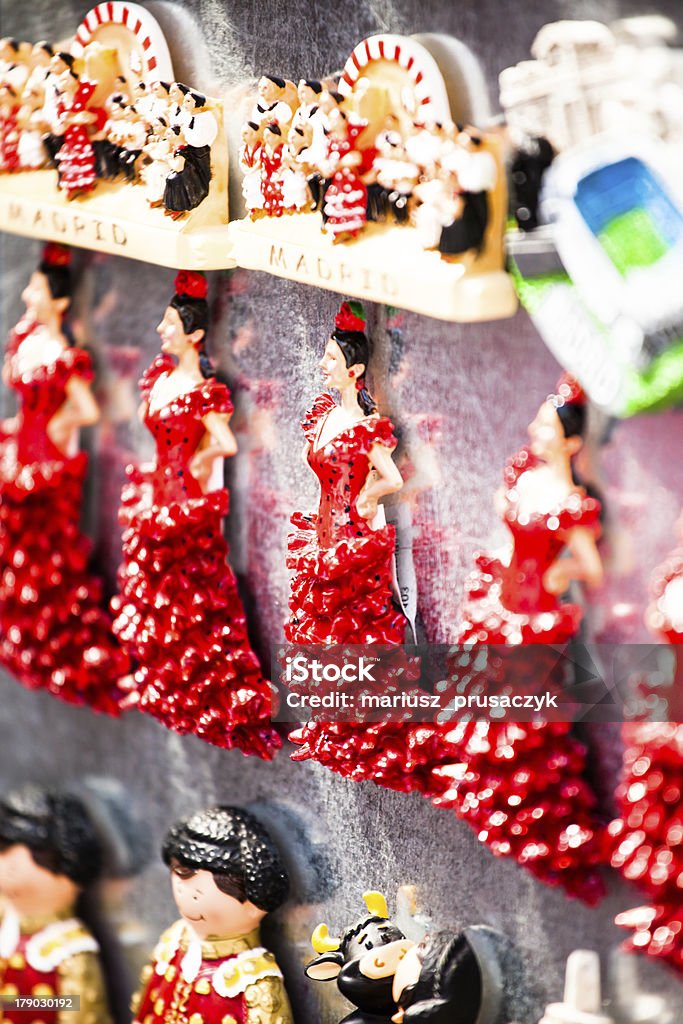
[(539, 808), (296, 194), (308, 112), (9, 130), (391, 978), (440, 981), (179, 613), (474, 174), (250, 164), (58, 71), (154, 104), (396, 175), (363, 961), (276, 102), (547, 512), (12, 82), (49, 855), (271, 169), (196, 127), (158, 153), (226, 875), (134, 139), (108, 146), (342, 556), (377, 181), (517, 600), (98, 112), (54, 635), (30, 119), (79, 121), (345, 206)]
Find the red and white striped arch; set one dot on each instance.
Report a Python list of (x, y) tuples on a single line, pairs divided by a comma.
[(422, 74), (127, 26)]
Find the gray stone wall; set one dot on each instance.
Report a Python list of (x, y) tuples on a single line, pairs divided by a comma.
[(482, 382)]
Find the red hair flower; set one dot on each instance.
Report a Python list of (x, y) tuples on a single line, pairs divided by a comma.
[(192, 284), (350, 317), (56, 255), (569, 392)]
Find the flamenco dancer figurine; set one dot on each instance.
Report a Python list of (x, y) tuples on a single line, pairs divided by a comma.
[(54, 634), (342, 556), (538, 808), (226, 875), (79, 121), (49, 855), (179, 614), (441, 980), (546, 511)]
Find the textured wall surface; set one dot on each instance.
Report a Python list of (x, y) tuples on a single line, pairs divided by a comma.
[(461, 396)]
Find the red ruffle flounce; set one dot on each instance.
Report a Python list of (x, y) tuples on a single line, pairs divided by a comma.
[(342, 594), (54, 633), (179, 615), (647, 838)]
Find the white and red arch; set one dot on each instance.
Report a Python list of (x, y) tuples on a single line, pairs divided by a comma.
[(132, 29), (420, 73)]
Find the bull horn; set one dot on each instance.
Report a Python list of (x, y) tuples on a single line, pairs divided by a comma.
[(322, 941), (376, 903)]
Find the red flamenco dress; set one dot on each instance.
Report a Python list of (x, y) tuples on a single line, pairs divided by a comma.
[(9, 140), (507, 603), (76, 160), (647, 837), (54, 634), (520, 785), (179, 614), (346, 198), (272, 182), (341, 591)]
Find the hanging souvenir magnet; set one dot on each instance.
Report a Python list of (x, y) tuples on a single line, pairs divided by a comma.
[(540, 809), (226, 875), (54, 633), (367, 187), (342, 556), (443, 979), (179, 613), (601, 225), (50, 855), (109, 152)]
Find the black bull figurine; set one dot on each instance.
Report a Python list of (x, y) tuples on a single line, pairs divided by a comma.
[(392, 980)]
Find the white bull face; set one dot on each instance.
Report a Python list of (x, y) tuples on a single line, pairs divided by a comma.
[(382, 961)]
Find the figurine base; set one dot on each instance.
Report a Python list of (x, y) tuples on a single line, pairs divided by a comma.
[(31, 204), (294, 247)]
